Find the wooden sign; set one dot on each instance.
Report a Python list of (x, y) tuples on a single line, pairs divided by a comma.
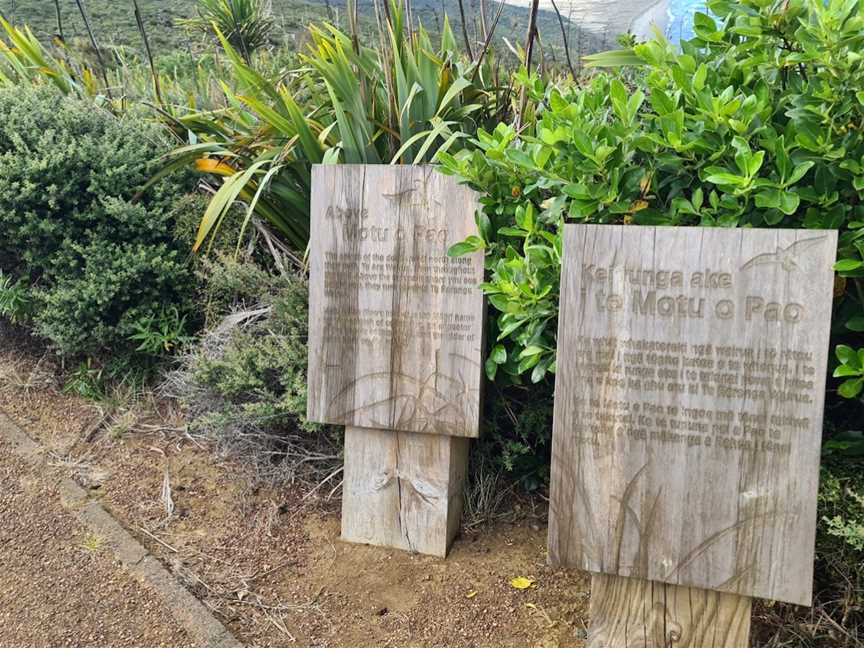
[(627, 612), (396, 325), (395, 346), (688, 412)]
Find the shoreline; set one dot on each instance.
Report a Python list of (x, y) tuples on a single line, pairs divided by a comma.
[(606, 18), (655, 16)]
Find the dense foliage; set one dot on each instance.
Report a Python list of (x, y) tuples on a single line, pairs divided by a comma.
[(244, 384), (758, 122), (102, 267), (400, 102), (259, 372)]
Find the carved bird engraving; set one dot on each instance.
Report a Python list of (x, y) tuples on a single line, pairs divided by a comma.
[(784, 257), (422, 200)]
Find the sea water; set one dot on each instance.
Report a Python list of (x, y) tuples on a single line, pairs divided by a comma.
[(681, 13)]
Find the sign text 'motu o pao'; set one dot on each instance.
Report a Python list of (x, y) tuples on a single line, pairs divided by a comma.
[(396, 325), (688, 405)]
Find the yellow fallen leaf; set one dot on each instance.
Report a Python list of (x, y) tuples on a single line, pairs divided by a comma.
[(521, 583), (471, 594)]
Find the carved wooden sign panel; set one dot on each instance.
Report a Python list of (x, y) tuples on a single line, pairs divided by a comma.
[(688, 405), (396, 326)]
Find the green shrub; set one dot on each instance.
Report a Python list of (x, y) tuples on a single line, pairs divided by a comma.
[(244, 383), (517, 432), (261, 370), (758, 122), (101, 260), (232, 283), (840, 538), (841, 500)]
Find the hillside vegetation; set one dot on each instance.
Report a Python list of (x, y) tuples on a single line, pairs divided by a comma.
[(114, 23)]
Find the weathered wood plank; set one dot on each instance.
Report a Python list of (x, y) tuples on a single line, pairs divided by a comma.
[(396, 326), (635, 613), (688, 414), (403, 489)]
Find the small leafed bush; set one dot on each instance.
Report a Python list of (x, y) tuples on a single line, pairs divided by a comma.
[(840, 541), (87, 256), (244, 383)]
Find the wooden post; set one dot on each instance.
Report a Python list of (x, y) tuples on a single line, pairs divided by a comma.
[(395, 346), (403, 489), (629, 612), (689, 396)]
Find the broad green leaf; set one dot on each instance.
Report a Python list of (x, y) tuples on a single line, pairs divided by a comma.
[(856, 323), (612, 59), (844, 371), (499, 354), (726, 179), (768, 199), (848, 265), (700, 77), (469, 245), (531, 351), (799, 172), (851, 388), (847, 355), (491, 369)]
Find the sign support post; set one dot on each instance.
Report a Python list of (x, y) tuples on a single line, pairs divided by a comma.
[(395, 346), (403, 489)]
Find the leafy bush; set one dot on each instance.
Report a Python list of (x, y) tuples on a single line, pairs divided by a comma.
[(244, 384), (841, 499), (517, 432), (840, 538), (101, 260), (756, 123), (14, 300), (417, 98)]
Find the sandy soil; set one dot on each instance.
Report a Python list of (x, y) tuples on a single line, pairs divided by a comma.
[(271, 563)]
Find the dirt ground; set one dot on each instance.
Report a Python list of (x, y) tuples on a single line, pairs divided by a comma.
[(58, 585), (267, 561)]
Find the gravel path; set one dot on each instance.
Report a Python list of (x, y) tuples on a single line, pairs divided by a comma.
[(59, 587)]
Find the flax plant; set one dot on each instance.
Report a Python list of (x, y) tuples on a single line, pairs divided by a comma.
[(401, 102)]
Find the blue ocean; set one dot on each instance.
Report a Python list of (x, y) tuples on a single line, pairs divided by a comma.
[(681, 18)]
